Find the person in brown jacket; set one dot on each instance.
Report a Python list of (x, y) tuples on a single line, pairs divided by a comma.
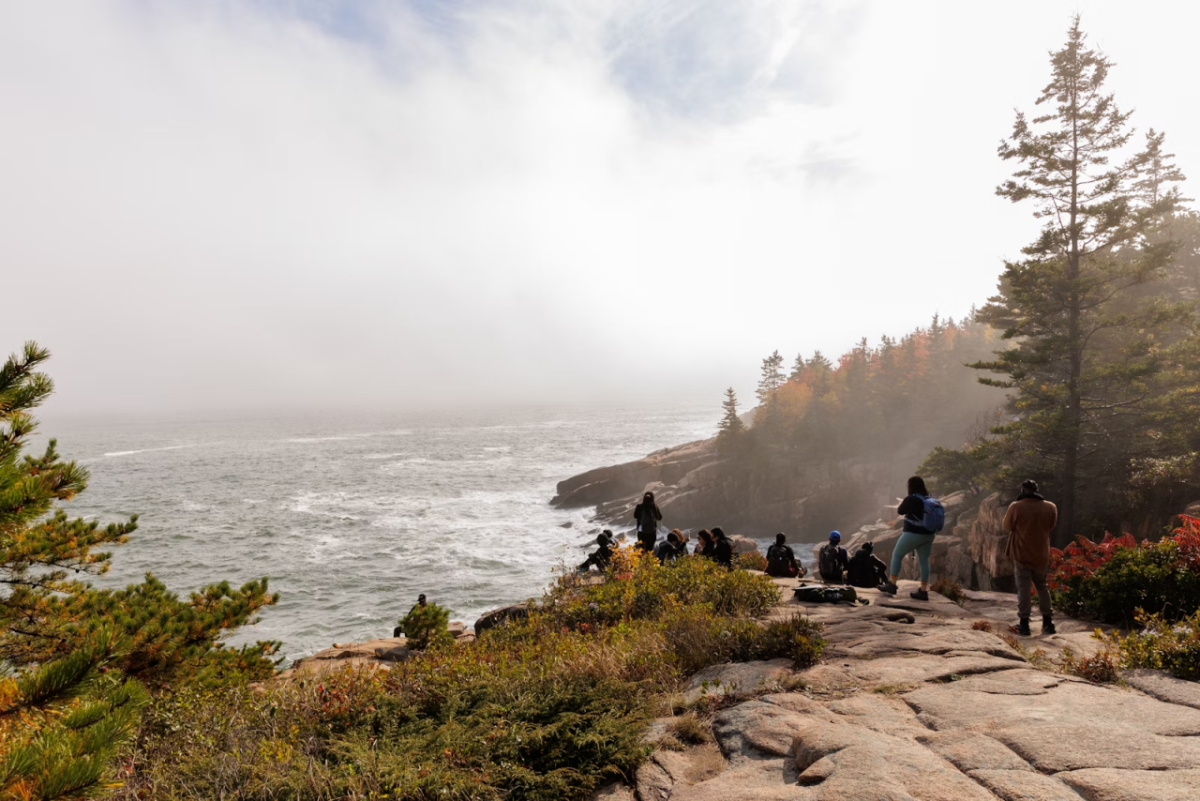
[(1029, 521)]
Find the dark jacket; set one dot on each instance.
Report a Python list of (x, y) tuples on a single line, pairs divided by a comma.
[(708, 549), (781, 562), (601, 558), (668, 551), (647, 517), (723, 552), (866, 570), (912, 509), (842, 561)]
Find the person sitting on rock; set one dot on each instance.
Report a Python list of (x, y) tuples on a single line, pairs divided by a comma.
[(832, 560), (396, 632), (647, 515), (865, 568), (603, 555), (781, 560), (722, 548), (704, 544), (670, 549), (1029, 521)]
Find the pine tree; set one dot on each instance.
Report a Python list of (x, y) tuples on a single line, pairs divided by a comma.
[(799, 367), (731, 427), (1084, 359), (771, 378), (78, 649)]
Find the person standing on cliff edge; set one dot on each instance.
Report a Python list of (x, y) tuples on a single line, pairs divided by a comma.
[(646, 515), (1029, 521), (914, 537)]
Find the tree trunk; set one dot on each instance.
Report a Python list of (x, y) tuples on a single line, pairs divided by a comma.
[(1065, 532)]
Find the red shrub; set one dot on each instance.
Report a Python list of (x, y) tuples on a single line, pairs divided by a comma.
[(1084, 557)]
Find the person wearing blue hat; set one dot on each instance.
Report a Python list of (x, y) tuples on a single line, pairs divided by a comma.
[(832, 559)]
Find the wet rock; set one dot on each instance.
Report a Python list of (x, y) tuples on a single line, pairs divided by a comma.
[(498, 616)]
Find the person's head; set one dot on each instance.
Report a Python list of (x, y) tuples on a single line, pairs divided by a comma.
[(647, 498), (679, 535), (780, 538), (603, 538), (718, 533), (1029, 485), (704, 536), (916, 486), (835, 537), (868, 547), (673, 537), (421, 599), (607, 534)]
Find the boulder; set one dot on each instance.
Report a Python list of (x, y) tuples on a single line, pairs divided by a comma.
[(398, 653), (456, 628), (736, 678), (742, 544), (498, 616)]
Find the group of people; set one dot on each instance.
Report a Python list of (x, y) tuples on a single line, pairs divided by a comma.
[(1028, 521), (713, 544)]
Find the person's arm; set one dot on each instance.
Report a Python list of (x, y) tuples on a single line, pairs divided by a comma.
[(844, 558), (657, 514), (911, 505), (637, 512), (1010, 518), (1055, 521)]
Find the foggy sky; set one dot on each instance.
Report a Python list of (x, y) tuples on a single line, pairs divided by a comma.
[(302, 204)]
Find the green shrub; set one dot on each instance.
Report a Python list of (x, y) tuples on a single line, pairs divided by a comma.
[(426, 625), (1161, 645), (549, 707), (751, 561)]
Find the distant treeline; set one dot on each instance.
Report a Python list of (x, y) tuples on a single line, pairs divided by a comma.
[(904, 396)]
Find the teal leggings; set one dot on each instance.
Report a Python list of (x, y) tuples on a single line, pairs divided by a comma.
[(909, 542)]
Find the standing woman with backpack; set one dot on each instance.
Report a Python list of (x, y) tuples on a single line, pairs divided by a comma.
[(646, 515), (923, 519)]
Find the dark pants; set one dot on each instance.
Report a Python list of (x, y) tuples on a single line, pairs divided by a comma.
[(1027, 578)]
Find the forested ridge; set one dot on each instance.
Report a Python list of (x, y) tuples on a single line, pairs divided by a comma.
[(1081, 372)]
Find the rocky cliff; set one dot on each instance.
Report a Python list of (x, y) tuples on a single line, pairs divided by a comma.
[(698, 487)]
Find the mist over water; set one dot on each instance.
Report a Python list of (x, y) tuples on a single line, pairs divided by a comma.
[(353, 517)]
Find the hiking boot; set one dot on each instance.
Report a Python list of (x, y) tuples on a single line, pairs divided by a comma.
[(1048, 626), (920, 595), (888, 587), (1023, 628)]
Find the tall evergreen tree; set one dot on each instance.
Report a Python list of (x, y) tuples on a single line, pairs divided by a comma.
[(77, 650), (731, 426), (1084, 358), (770, 379)]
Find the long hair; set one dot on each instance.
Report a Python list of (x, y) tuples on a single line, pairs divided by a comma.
[(703, 536), (647, 498), (916, 486)]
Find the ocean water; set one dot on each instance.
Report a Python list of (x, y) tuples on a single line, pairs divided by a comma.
[(352, 517)]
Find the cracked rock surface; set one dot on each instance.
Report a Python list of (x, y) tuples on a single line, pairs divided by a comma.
[(913, 704)]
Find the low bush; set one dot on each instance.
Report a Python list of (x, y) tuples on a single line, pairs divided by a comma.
[(426, 625), (1111, 580), (545, 708), (1101, 667), (1161, 645), (949, 589), (752, 561)]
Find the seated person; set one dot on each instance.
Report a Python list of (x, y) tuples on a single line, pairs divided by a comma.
[(865, 568), (832, 559), (781, 561), (670, 549), (603, 555)]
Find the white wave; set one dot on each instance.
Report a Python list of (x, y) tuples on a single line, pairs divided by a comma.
[(402, 432), (148, 450)]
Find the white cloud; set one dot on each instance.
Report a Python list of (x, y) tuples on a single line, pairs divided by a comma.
[(224, 204)]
